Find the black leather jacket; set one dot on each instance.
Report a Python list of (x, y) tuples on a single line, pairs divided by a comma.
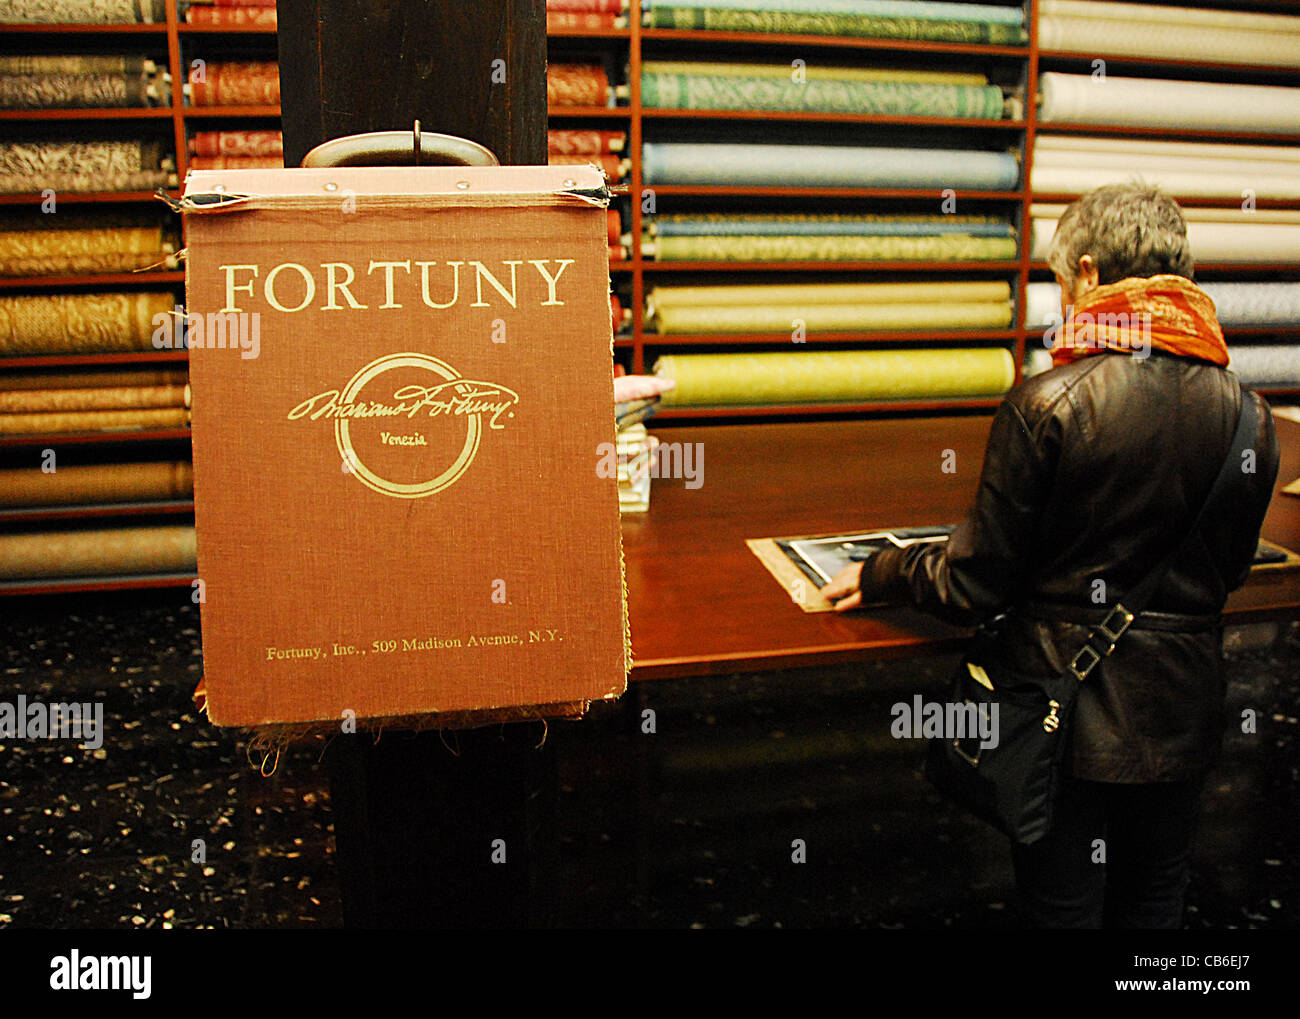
[(1094, 471)]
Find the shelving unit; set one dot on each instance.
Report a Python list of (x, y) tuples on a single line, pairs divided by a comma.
[(636, 347)]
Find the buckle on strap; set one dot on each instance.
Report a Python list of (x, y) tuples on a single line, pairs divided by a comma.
[(1081, 672), (1112, 631)]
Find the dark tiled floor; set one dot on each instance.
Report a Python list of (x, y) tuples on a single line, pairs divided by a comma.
[(690, 826)]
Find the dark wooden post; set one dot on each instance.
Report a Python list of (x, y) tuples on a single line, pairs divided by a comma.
[(422, 820)]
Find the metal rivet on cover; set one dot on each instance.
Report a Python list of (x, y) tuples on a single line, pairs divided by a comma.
[(219, 188), (331, 186), (463, 185), (570, 183)]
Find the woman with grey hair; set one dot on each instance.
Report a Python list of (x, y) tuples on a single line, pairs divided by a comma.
[(1094, 471)]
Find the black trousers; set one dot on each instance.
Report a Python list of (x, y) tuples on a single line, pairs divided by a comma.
[(1117, 856)]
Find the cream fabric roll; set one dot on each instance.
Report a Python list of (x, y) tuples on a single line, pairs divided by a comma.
[(1193, 214), (1154, 102), (832, 376), (1212, 181), (1213, 241), (969, 291), (1167, 39), (1199, 16)]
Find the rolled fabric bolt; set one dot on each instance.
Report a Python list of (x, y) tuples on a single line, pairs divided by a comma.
[(46, 401), (813, 72), (101, 483), (126, 551), (1243, 305), (94, 421), (832, 318), (822, 226), (836, 376), (838, 248), (1214, 242), (1265, 365), (1167, 36), (969, 291), (826, 166), (1155, 102), (81, 323)]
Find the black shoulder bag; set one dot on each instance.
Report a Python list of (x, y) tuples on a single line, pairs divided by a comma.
[(1013, 784)]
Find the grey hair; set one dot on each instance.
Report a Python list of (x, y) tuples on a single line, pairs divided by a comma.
[(1128, 229)]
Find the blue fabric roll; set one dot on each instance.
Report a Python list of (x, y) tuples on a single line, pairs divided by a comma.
[(932, 10), (826, 166), (824, 228)]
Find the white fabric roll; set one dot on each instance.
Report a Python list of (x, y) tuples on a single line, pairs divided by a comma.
[(1261, 365), (1213, 181), (1193, 214), (1242, 305), (1155, 146), (1155, 102)]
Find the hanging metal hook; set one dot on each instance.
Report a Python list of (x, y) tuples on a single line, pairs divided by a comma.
[(416, 144)]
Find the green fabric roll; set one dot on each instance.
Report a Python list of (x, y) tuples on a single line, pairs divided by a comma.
[(830, 293), (830, 318), (785, 72), (834, 376), (742, 248), (892, 98), (853, 25)]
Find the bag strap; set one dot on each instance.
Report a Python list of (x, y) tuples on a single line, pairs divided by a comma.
[(1101, 641)]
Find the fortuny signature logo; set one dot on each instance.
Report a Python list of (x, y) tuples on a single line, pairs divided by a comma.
[(409, 425)]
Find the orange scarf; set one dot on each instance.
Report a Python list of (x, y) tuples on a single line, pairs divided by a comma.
[(1135, 314)]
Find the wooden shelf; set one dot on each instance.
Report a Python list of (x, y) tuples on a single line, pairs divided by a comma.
[(658, 340), (126, 435), (1190, 201), (132, 357), (208, 112), (185, 28), (52, 514), (107, 279), (90, 113), (85, 197), (85, 29), (727, 191), (1179, 133), (1085, 60), (82, 584), (811, 266), (589, 112)]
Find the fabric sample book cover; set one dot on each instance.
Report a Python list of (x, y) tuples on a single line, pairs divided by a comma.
[(402, 383)]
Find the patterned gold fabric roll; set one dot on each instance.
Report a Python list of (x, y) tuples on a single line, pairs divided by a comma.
[(94, 421), (81, 323), (48, 401)]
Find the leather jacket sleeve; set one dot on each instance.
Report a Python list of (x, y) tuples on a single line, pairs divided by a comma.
[(979, 570)]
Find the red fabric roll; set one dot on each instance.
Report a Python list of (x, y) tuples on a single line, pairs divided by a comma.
[(580, 141), (577, 85)]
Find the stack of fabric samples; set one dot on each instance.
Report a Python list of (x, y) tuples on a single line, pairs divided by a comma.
[(116, 164), (84, 241), (714, 85), (93, 402), (236, 150), (830, 237), (234, 83), (930, 20), (230, 13), (585, 15), (81, 81), (636, 398), (590, 147)]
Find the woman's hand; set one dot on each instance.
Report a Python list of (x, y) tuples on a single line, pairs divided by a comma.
[(842, 591)]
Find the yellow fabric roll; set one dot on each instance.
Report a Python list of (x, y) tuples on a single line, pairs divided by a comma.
[(48, 401), (830, 293), (93, 421), (833, 318), (813, 72), (102, 483), (834, 376), (127, 551)]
